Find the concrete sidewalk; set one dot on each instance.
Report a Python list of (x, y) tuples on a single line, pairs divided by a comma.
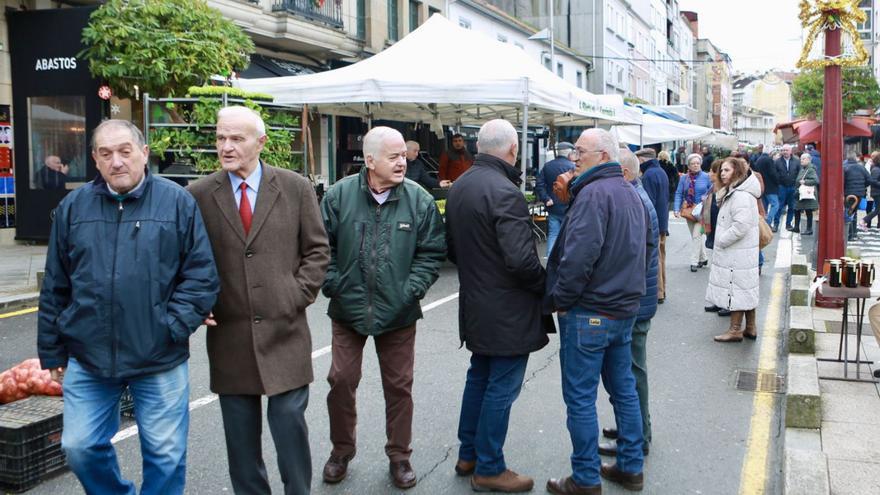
[(19, 265)]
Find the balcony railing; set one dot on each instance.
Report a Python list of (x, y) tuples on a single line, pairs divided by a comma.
[(329, 13)]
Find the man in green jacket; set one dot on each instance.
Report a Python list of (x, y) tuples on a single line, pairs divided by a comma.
[(387, 243)]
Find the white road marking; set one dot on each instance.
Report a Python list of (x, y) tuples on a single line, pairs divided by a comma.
[(204, 401), (783, 251)]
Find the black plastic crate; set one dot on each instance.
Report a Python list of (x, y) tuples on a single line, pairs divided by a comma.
[(30, 425), (126, 404), (30, 471), (30, 441)]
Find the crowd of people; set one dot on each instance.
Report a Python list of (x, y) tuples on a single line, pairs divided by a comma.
[(136, 264)]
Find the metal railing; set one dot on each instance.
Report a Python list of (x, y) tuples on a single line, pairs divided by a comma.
[(329, 13)]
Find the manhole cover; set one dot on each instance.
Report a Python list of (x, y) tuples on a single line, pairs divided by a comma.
[(760, 381)]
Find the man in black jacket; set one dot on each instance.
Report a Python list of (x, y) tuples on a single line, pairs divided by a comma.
[(708, 158), (764, 165), (787, 168), (856, 180), (500, 321), (416, 171)]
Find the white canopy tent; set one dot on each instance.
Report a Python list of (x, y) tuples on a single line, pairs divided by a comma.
[(443, 74), (656, 129)]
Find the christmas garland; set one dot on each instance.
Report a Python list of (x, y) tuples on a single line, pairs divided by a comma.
[(832, 14)]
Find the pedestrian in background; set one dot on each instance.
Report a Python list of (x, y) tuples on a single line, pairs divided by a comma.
[(733, 277), (671, 172), (129, 277), (499, 314), (272, 253), (656, 184), (544, 190), (874, 205), (386, 247), (647, 309), (417, 171), (807, 178), (708, 158), (595, 280), (692, 187), (455, 160), (787, 168), (855, 183), (766, 166)]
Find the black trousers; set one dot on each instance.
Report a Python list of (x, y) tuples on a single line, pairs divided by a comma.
[(243, 425)]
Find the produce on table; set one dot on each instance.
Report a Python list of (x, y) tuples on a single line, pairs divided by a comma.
[(26, 379)]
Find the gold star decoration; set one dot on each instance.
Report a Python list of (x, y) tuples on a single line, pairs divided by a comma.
[(817, 16)]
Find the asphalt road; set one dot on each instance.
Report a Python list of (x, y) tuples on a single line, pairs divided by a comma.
[(701, 422)]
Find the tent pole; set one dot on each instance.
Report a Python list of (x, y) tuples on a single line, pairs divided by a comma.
[(641, 138), (523, 152)]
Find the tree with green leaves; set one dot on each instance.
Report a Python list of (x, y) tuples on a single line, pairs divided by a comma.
[(860, 91), (162, 47)]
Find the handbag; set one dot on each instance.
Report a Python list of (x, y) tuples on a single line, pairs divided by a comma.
[(765, 234), (806, 192)]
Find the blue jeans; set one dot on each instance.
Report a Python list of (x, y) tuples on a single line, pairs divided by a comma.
[(771, 204), (493, 383), (591, 346), (554, 223), (786, 200), (91, 418)]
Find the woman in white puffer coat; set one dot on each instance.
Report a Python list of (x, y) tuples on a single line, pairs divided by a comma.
[(733, 279)]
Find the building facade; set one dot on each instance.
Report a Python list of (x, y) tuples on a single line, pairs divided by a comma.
[(769, 92), (753, 126)]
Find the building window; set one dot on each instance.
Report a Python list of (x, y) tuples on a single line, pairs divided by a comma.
[(502, 38), (547, 63), (464, 23), (579, 76), (58, 140), (559, 70), (620, 76), (432, 11), (414, 14), (393, 34), (361, 19)]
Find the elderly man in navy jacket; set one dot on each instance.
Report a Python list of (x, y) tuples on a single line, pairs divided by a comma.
[(656, 184), (595, 281)]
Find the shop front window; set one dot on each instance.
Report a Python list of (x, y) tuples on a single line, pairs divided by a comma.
[(57, 127)]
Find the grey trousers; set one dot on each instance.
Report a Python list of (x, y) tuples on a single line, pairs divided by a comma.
[(243, 425), (640, 372)]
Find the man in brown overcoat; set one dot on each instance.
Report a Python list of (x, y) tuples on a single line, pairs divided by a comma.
[(271, 251)]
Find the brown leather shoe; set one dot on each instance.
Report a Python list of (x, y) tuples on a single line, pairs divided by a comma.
[(402, 474), (751, 331), (336, 468), (630, 481), (610, 433), (465, 468), (567, 486), (734, 333), (506, 482)]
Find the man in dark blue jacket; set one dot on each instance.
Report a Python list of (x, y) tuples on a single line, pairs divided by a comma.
[(765, 166), (787, 168), (656, 184), (130, 275), (595, 281), (544, 189), (647, 309)]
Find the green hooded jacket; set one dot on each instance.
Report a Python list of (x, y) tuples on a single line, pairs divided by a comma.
[(383, 258)]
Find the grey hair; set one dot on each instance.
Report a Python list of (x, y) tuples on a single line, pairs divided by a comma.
[(852, 155), (808, 156), (786, 147), (136, 133), (412, 145), (375, 138), (629, 161), (605, 142), (692, 156), (496, 137), (240, 111)]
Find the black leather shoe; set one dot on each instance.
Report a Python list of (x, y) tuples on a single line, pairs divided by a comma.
[(661, 300), (703, 263), (567, 486), (808, 232), (630, 481), (609, 433), (723, 312), (336, 469), (711, 309), (775, 228), (610, 448), (789, 228), (402, 474), (694, 268)]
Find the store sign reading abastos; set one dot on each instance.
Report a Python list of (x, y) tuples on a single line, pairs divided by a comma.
[(56, 63)]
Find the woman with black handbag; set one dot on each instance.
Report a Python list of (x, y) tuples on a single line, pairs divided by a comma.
[(806, 182), (692, 186)]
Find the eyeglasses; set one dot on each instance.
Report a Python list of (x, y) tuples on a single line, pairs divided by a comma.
[(576, 153)]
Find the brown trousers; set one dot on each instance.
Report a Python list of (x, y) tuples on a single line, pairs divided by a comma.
[(396, 353)]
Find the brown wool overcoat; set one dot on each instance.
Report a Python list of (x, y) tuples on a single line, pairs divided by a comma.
[(262, 343)]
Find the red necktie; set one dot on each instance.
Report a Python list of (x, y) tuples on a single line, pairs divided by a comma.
[(244, 209)]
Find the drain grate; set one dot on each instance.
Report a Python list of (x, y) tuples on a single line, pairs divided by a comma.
[(760, 381)]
